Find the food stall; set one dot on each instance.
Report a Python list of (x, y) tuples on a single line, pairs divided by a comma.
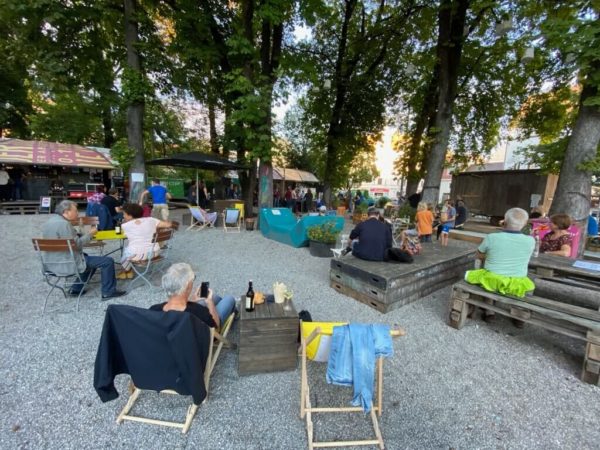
[(36, 166)]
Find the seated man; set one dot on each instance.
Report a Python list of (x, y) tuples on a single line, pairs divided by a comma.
[(112, 202), (371, 238), (178, 283), (506, 257), (59, 227)]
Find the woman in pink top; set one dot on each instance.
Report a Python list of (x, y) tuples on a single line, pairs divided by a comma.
[(139, 231)]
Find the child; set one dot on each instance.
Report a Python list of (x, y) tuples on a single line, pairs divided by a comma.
[(445, 231), (424, 219)]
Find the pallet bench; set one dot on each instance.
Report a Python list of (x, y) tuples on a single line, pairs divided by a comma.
[(19, 208), (570, 320)]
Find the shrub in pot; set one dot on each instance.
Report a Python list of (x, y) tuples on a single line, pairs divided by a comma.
[(360, 212), (322, 239)]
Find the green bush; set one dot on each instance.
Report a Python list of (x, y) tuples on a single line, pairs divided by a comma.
[(382, 201), (361, 208), (407, 210), (325, 233)]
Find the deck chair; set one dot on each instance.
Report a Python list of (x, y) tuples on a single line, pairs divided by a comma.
[(240, 206), (144, 268), (68, 249), (201, 218), (316, 341), (232, 220), (169, 352)]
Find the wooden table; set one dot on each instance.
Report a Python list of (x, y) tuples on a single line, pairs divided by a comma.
[(268, 339), (550, 266)]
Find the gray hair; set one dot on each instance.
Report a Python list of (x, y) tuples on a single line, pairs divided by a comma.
[(372, 211), (515, 219), (64, 206), (176, 279)]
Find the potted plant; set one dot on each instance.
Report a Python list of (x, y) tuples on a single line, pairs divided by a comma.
[(360, 212), (322, 239)]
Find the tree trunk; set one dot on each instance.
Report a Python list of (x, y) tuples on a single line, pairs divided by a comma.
[(135, 111), (340, 82), (574, 186), (107, 127), (452, 16)]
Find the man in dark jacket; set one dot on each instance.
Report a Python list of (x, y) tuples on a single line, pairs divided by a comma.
[(462, 214), (372, 238)]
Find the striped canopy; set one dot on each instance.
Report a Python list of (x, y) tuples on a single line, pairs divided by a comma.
[(17, 151)]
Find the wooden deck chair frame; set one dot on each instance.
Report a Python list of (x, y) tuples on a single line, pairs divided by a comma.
[(198, 221), (219, 340), (228, 223), (307, 410), (69, 247), (145, 268)]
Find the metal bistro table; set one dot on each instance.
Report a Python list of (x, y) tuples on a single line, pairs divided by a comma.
[(268, 338), (111, 235)]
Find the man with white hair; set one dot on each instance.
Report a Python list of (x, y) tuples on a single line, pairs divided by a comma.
[(505, 257), (178, 283), (59, 227)]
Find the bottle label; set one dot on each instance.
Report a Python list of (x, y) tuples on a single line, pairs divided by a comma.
[(248, 302)]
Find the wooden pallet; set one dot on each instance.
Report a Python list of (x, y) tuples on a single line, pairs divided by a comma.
[(570, 320), (388, 286), (19, 208)]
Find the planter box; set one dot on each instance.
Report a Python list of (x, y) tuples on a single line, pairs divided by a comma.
[(250, 224), (359, 217), (320, 249)]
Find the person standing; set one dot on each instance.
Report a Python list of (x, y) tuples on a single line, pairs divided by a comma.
[(424, 219), (276, 196), (160, 195), (308, 200), (59, 227), (4, 186), (462, 214), (448, 218), (288, 197), (191, 197), (202, 195)]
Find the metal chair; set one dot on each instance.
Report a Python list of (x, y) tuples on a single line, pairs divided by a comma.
[(145, 268), (69, 263), (232, 220)]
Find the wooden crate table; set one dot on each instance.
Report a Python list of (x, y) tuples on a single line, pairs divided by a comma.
[(559, 268), (268, 339)]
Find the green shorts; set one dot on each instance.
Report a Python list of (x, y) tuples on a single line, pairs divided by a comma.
[(492, 282)]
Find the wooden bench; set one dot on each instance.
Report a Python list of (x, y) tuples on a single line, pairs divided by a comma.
[(570, 320)]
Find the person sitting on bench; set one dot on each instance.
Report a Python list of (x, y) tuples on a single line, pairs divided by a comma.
[(559, 241), (505, 257), (371, 238)]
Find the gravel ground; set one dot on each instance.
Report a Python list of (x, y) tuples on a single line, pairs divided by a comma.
[(486, 386)]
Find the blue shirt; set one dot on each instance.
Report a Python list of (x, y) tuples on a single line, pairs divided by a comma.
[(159, 194), (507, 253), (592, 227)]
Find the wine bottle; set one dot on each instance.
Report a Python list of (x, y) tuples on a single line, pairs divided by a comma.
[(250, 297), (536, 249), (118, 227)]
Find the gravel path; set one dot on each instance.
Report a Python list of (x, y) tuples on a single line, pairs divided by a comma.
[(485, 387)]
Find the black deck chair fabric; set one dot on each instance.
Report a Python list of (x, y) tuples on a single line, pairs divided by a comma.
[(159, 350)]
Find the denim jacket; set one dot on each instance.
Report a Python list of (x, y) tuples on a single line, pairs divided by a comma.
[(354, 348)]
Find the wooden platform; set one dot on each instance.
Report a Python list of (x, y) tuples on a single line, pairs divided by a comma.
[(388, 286)]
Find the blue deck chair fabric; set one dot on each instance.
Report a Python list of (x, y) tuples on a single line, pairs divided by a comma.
[(281, 225)]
